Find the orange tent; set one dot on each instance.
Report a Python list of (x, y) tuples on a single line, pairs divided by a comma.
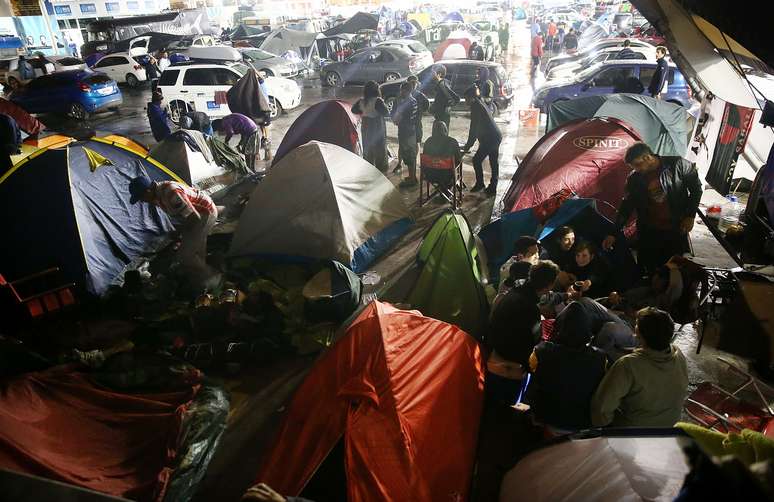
[(405, 392)]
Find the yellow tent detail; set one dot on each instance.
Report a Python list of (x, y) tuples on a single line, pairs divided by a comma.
[(96, 160)]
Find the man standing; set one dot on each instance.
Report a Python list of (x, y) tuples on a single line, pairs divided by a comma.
[(552, 30), (242, 125), (193, 212), (626, 52), (404, 115), (163, 61), (504, 34), (485, 88), (571, 42), (536, 52), (483, 129), (659, 78), (445, 98), (423, 105), (665, 193)]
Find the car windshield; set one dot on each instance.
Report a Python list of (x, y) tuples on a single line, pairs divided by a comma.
[(587, 72), (240, 68), (259, 55)]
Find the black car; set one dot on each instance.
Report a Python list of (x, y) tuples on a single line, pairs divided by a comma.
[(461, 73)]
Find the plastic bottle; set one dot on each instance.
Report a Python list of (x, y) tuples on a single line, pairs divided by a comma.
[(729, 214)]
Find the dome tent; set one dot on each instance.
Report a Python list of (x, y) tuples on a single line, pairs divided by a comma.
[(349, 212)]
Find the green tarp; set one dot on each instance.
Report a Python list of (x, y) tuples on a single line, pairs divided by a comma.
[(664, 126), (448, 287)]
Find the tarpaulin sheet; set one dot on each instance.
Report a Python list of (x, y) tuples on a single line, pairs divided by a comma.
[(584, 156), (406, 393), (58, 424), (360, 21)]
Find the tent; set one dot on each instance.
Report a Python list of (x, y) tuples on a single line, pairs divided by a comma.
[(456, 46), (283, 40), (453, 16), (604, 465), (195, 167), (449, 283), (66, 425), (244, 31), (360, 21), (342, 209), (585, 156), (581, 214), (329, 121), (24, 120), (130, 143), (403, 391), (71, 210), (664, 126), (34, 143)]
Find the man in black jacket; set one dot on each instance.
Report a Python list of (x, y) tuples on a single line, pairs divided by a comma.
[(659, 77), (445, 98), (665, 193), (404, 115), (483, 129)]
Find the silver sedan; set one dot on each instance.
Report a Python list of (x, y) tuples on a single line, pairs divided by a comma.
[(270, 64), (382, 64)]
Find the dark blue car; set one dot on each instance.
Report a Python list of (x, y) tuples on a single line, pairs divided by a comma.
[(77, 93), (607, 77)]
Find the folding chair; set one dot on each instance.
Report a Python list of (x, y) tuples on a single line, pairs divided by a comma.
[(38, 304), (445, 178), (716, 408)]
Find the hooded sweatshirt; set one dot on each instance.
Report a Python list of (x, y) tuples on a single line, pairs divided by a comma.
[(646, 388)]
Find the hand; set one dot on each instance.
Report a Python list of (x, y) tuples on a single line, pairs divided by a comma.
[(573, 294), (686, 225), (586, 285), (614, 298), (263, 493), (608, 242)]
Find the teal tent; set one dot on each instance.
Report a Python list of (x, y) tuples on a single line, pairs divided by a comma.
[(664, 126)]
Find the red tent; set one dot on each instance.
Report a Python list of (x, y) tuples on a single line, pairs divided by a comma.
[(584, 155), (405, 391), (328, 121), (24, 120)]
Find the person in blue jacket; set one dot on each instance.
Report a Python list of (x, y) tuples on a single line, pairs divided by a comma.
[(158, 117)]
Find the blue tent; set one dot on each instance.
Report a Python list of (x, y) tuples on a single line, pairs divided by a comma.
[(69, 208), (453, 16), (581, 214)]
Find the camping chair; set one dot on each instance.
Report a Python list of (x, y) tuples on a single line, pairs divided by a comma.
[(445, 177), (38, 304), (724, 411)]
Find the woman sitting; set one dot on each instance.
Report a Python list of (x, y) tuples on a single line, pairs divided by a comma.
[(567, 371), (591, 270)]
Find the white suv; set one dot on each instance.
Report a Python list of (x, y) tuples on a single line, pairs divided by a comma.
[(192, 86)]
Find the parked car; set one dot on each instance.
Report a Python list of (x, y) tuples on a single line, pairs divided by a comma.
[(412, 46), (383, 64), (77, 93), (9, 70), (461, 74), (567, 70), (64, 63), (270, 64), (122, 67), (593, 49), (192, 86), (603, 77)]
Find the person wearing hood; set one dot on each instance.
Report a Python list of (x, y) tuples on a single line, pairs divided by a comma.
[(476, 52), (440, 144), (445, 97), (158, 117), (648, 387), (483, 129), (372, 109), (566, 372), (485, 88)]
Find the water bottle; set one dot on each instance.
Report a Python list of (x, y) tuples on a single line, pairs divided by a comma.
[(729, 215)]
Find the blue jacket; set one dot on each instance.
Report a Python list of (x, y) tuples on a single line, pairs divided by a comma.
[(159, 122)]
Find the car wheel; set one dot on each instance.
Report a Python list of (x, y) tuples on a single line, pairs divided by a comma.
[(13, 83), (176, 109), (78, 111), (276, 108), (132, 81), (333, 79), (391, 77), (389, 103), (267, 72)]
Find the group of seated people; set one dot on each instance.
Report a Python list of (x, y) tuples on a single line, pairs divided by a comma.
[(596, 357)]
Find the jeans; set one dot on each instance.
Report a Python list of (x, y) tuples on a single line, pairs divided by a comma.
[(491, 150)]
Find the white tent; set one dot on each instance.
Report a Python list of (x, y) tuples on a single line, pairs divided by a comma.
[(283, 40), (196, 168), (600, 469), (322, 202)]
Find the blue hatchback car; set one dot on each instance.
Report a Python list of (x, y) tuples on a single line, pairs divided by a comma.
[(603, 78), (77, 93)]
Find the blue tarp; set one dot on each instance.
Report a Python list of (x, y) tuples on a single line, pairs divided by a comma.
[(66, 215)]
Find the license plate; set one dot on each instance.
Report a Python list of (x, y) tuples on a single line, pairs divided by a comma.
[(105, 90), (212, 105)]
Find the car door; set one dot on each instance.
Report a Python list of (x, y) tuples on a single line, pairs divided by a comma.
[(139, 46), (108, 65), (198, 89), (356, 68), (605, 81)]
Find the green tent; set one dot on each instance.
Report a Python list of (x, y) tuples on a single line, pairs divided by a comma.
[(665, 127), (449, 284)]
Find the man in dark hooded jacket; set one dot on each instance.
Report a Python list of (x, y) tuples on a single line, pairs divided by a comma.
[(483, 129)]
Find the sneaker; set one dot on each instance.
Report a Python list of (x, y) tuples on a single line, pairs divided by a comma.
[(491, 190), (477, 187)]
